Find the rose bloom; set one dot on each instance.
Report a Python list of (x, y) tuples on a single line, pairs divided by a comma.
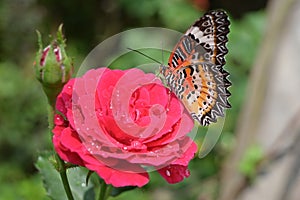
[(121, 124)]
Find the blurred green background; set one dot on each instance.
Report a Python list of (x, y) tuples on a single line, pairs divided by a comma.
[(23, 114)]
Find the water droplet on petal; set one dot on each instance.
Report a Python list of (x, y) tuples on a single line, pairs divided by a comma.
[(136, 143), (168, 173), (99, 112), (59, 120), (104, 154), (137, 114), (187, 173), (90, 150), (157, 151)]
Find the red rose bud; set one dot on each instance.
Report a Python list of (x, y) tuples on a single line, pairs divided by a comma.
[(52, 66)]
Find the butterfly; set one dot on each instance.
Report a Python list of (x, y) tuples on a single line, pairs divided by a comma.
[(195, 68)]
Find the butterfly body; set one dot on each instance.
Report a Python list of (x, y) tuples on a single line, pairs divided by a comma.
[(195, 69)]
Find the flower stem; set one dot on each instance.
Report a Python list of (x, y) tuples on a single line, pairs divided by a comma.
[(60, 162), (64, 178), (103, 190), (108, 191)]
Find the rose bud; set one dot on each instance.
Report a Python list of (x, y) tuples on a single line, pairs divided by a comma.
[(53, 67)]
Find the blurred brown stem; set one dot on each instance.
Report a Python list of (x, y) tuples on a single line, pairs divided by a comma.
[(233, 181)]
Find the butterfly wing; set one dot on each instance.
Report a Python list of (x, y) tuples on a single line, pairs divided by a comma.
[(204, 91), (210, 32), (195, 70)]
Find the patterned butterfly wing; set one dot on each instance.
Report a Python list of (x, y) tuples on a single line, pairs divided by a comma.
[(195, 70)]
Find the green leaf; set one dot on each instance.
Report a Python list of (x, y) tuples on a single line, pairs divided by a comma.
[(140, 9), (244, 39), (53, 183), (188, 14), (251, 159), (117, 191)]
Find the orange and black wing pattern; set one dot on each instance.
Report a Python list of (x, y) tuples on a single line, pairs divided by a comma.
[(195, 70)]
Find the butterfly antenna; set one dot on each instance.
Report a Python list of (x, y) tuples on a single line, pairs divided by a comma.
[(162, 52), (162, 58), (144, 55)]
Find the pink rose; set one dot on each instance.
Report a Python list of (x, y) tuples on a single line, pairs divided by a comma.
[(121, 124)]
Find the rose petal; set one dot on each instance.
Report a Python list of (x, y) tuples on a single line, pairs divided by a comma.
[(174, 173), (121, 178), (188, 155)]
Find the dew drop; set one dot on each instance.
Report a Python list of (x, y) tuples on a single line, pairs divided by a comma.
[(100, 113), (157, 151), (104, 154), (118, 93), (90, 150), (187, 173), (83, 185), (136, 143), (58, 117), (137, 114), (168, 173)]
